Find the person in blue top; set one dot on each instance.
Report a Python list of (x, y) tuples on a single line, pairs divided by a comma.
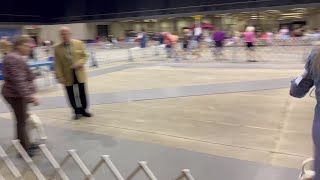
[(300, 87), (143, 39), (161, 38)]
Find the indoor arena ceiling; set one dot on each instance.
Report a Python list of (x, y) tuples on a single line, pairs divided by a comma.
[(64, 11)]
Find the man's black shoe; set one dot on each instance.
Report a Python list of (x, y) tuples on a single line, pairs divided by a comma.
[(34, 146), (86, 114)]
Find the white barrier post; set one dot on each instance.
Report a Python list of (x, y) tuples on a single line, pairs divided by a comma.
[(130, 57), (81, 165), (94, 62), (185, 174), (95, 169), (53, 162), (61, 164), (112, 167), (234, 50), (146, 169), (156, 50), (72, 154), (13, 169), (28, 160), (106, 159), (142, 166), (143, 52)]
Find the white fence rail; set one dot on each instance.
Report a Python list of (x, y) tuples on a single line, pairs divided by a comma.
[(271, 50), (235, 50), (72, 155)]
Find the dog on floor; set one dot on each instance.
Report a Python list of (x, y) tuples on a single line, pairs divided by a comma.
[(306, 172), (34, 124)]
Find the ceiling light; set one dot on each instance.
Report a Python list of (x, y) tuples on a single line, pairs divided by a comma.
[(299, 9), (273, 11), (290, 14), (257, 18), (150, 20), (127, 21), (290, 17), (226, 14)]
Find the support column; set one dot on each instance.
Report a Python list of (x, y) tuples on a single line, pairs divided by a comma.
[(313, 21), (197, 21)]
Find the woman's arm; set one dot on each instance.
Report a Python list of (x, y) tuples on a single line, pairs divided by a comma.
[(302, 85), (15, 72)]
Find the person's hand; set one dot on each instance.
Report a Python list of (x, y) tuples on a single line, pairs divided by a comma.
[(76, 66), (35, 101), (62, 81)]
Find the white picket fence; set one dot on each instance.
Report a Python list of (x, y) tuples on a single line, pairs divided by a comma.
[(271, 50), (71, 156)]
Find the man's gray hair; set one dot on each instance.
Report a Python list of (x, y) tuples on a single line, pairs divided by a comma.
[(65, 28)]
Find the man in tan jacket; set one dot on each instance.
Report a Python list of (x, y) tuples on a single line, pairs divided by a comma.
[(70, 59), (5, 45)]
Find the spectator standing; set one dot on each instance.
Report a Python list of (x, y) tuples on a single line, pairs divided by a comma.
[(250, 38), (169, 43), (218, 38), (19, 89), (161, 38), (70, 59), (284, 32), (143, 39), (186, 39), (5, 45)]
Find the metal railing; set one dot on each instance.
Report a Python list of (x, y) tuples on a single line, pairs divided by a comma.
[(234, 50), (72, 155)]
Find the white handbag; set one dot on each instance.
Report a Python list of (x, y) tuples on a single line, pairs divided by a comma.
[(307, 174), (34, 123)]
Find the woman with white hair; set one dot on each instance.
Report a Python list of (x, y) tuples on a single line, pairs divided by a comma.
[(250, 38), (299, 88), (19, 88)]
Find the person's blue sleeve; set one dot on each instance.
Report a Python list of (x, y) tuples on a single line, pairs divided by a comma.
[(301, 89)]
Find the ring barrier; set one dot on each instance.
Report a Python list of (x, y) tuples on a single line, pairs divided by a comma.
[(53, 162), (235, 50), (185, 174), (143, 166), (31, 165), (12, 168), (72, 155), (293, 49)]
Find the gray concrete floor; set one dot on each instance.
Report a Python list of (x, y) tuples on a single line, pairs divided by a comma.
[(165, 162), (266, 127)]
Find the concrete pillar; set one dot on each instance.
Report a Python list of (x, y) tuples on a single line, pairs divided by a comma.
[(117, 29), (157, 26), (183, 23), (313, 21), (166, 25), (216, 21), (81, 31), (197, 20), (175, 26)]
